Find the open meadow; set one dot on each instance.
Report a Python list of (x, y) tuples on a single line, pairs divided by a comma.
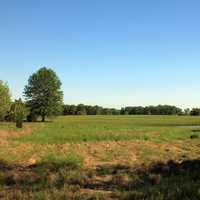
[(99, 100), (101, 157)]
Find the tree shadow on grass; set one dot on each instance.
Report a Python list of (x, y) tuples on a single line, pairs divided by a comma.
[(159, 181), (39, 121), (169, 180), (196, 130)]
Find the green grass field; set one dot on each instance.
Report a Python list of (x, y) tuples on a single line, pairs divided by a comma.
[(102, 157), (77, 129)]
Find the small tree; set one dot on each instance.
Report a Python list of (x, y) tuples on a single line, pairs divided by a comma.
[(5, 100), (43, 94), (11, 113), (20, 111)]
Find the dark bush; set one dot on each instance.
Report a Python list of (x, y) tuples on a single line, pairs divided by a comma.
[(194, 136), (31, 118)]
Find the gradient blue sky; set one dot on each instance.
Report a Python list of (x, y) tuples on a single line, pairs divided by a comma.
[(107, 52)]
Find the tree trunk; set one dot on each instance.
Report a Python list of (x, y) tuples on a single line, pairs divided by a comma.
[(19, 123), (43, 118)]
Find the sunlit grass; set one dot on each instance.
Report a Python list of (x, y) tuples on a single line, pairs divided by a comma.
[(74, 129)]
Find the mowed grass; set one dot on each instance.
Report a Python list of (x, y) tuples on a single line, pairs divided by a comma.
[(75, 129)]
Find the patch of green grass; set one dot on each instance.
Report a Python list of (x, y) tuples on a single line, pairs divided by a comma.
[(58, 159)]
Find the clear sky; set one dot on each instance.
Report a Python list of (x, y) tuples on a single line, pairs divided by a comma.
[(107, 52)]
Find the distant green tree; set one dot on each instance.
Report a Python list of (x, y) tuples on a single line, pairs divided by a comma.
[(72, 110), (107, 111), (98, 110), (115, 112), (81, 110), (90, 110), (66, 109), (43, 93), (195, 112), (122, 111), (5, 100), (186, 111)]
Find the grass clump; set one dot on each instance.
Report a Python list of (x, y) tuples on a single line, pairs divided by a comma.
[(71, 159)]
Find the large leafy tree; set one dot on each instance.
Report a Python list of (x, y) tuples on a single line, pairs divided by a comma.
[(5, 99), (43, 93)]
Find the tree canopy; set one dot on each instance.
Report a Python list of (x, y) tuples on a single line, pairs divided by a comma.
[(43, 93), (5, 99)]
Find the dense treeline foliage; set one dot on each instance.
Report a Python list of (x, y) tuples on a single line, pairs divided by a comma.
[(152, 110), (82, 109), (195, 112)]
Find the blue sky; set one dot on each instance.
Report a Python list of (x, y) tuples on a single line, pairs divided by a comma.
[(107, 52)]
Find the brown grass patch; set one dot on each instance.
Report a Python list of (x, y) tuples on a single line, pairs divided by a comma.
[(26, 130), (100, 153)]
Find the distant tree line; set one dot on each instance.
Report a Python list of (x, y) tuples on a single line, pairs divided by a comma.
[(195, 112), (152, 110), (82, 109)]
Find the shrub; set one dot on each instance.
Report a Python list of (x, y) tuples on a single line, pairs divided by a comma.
[(194, 136), (32, 117), (71, 160), (20, 112)]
